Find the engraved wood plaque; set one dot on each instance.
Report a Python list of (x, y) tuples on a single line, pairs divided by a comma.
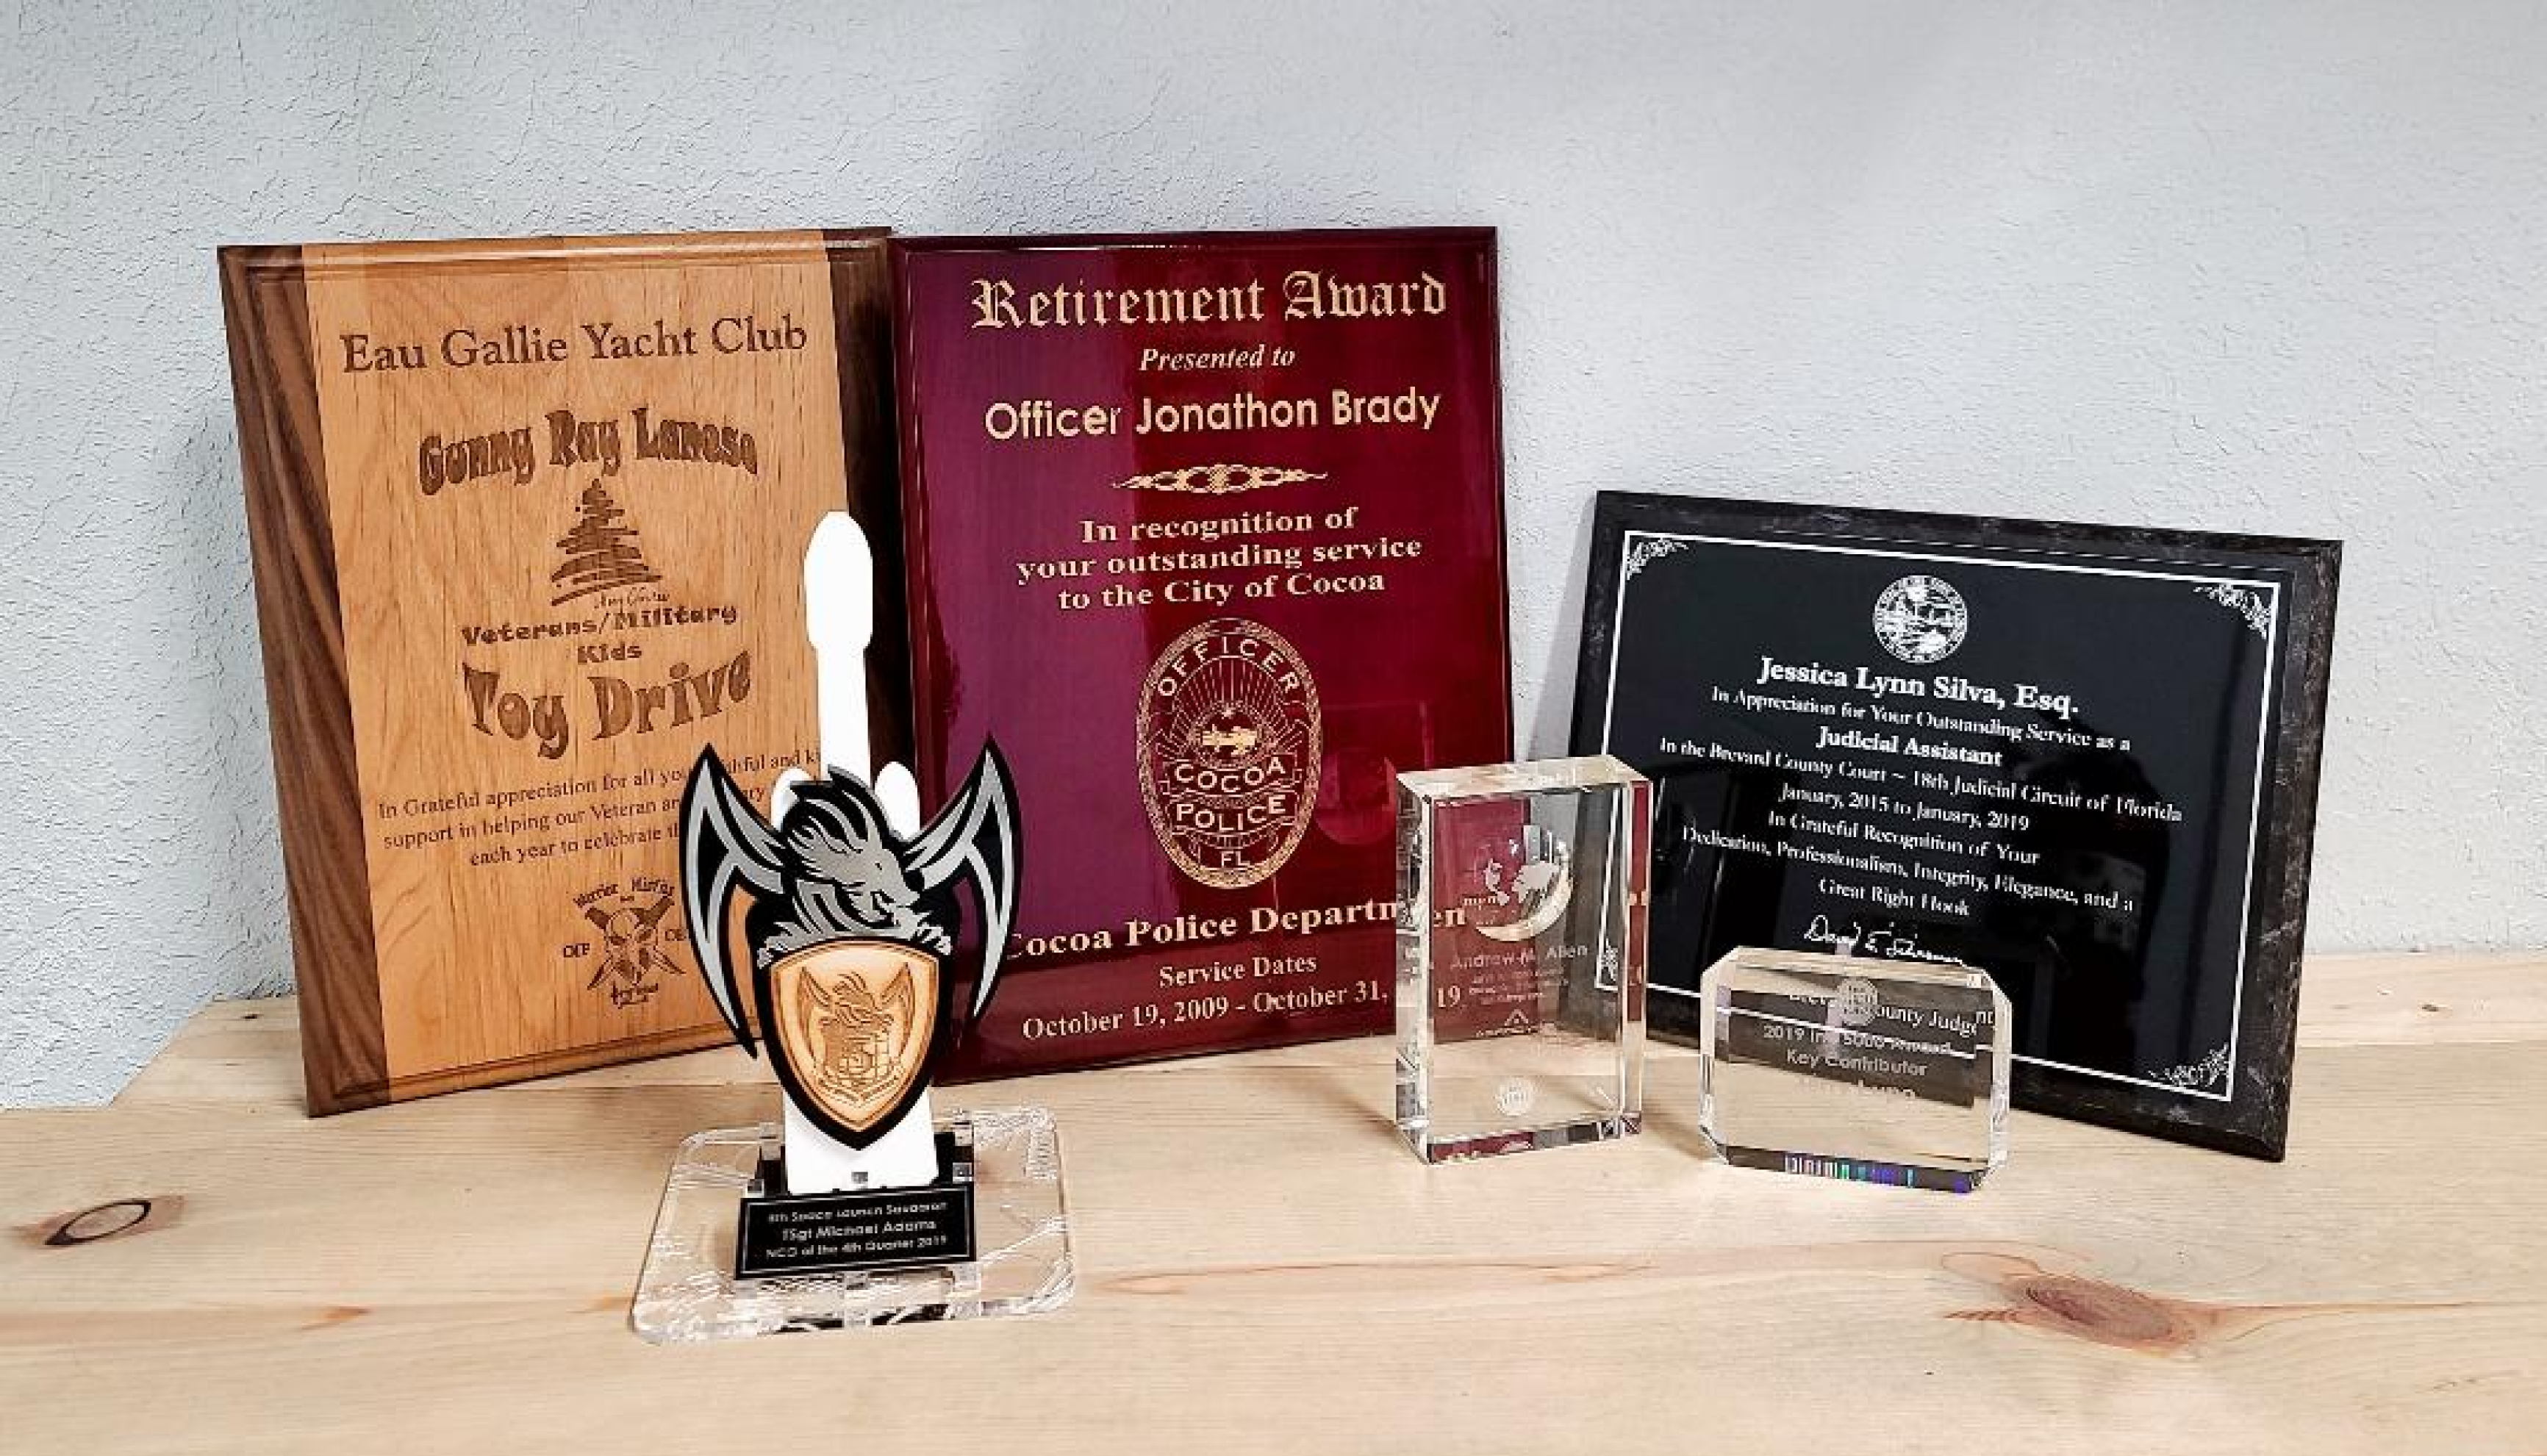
[(529, 521)]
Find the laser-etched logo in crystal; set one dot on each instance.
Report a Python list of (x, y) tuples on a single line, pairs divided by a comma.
[(1520, 886), (1855, 1002), (1229, 734), (1921, 619)]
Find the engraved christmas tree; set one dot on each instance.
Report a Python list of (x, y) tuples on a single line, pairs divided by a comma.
[(601, 551)]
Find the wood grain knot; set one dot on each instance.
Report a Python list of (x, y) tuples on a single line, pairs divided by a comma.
[(334, 1314), (2108, 1312), (2112, 1315), (107, 1221), (2089, 1308)]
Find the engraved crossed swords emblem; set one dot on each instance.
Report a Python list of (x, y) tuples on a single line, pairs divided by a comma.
[(847, 931), (628, 943)]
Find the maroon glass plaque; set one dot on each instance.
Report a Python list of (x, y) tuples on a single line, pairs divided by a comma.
[(1207, 530)]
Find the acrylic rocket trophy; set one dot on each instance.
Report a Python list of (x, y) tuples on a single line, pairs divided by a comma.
[(860, 1208)]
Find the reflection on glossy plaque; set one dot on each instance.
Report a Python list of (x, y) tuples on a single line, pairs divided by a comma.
[(2081, 758), (1207, 531)]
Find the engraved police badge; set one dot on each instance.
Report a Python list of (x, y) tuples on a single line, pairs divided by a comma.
[(850, 931), (1229, 738)]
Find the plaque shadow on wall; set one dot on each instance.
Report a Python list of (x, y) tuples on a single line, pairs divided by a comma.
[(1549, 714)]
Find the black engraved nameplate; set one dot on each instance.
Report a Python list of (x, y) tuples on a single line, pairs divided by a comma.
[(2081, 758), (879, 1230)]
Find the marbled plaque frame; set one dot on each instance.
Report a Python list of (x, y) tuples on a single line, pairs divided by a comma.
[(2082, 758)]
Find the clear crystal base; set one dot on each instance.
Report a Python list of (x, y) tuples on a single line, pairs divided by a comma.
[(687, 1292), (1853, 1068)]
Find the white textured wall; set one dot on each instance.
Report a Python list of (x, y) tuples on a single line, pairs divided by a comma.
[(2274, 268)]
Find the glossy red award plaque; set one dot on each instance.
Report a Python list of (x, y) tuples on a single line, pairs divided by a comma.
[(1207, 531)]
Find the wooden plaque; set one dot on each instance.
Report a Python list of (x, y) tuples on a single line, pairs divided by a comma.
[(1206, 534), (529, 520)]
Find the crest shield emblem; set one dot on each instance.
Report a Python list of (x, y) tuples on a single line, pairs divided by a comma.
[(853, 1022), (856, 933)]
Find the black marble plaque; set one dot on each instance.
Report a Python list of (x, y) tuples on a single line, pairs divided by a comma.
[(2081, 757)]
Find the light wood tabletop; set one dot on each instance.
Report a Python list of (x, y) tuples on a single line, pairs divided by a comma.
[(1262, 1266)]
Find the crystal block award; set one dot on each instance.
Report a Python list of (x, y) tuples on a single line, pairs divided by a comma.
[(1520, 955), (1865, 1070)]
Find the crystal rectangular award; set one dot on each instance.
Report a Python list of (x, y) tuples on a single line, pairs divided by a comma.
[(1520, 955), (1841, 1067)]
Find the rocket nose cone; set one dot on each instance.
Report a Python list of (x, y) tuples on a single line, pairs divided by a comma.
[(839, 585)]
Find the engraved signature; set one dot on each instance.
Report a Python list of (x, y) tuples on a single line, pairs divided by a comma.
[(1887, 941)]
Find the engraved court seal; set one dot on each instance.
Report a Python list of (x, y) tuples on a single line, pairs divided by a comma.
[(1921, 619), (1855, 1000), (1229, 735)]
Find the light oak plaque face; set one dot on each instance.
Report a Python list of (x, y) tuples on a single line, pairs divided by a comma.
[(530, 520)]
